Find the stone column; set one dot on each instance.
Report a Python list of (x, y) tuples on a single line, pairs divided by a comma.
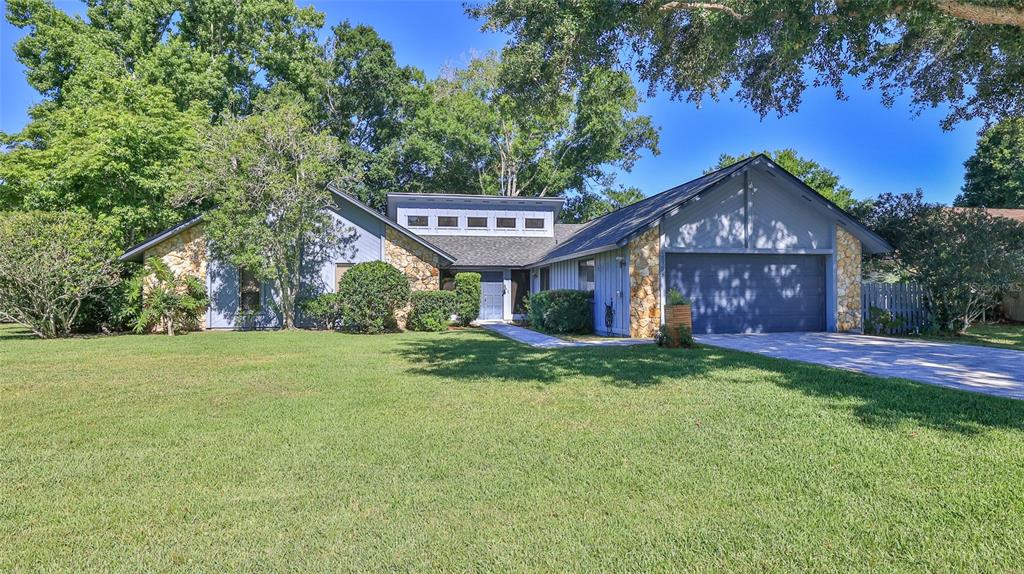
[(419, 264), (645, 284), (849, 315), (184, 254)]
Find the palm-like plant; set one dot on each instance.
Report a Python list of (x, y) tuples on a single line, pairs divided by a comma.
[(162, 298)]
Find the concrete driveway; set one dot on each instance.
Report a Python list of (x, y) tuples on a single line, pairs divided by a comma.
[(998, 372)]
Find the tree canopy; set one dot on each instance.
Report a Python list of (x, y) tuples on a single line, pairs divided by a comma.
[(994, 175), (964, 53), (479, 136), (818, 177)]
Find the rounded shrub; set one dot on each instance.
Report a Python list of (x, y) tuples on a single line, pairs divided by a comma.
[(369, 294), (561, 311), (467, 297), (431, 310), (323, 311)]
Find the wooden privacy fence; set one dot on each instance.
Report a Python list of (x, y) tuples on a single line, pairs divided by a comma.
[(905, 302)]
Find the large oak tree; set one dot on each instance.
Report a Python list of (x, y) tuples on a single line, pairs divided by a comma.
[(966, 54)]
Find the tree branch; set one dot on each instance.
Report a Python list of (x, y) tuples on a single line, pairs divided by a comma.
[(712, 6), (989, 15)]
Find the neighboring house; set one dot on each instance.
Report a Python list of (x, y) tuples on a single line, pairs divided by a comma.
[(753, 247)]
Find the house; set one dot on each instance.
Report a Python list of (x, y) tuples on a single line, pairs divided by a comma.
[(752, 246)]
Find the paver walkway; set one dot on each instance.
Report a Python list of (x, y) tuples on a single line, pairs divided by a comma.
[(542, 341), (988, 370)]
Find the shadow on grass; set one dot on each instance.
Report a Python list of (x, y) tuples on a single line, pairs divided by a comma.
[(11, 332), (874, 401)]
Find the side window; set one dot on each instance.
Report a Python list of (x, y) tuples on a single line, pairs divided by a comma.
[(477, 222), (249, 297), (416, 221), (545, 278), (339, 272), (535, 223), (586, 270), (505, 222), (447, 221)]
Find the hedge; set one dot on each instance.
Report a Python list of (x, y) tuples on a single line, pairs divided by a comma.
[(561, 311), (369, 294), (467, 297), (431, 310)]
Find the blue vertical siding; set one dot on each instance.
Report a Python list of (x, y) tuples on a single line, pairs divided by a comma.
[(365, 241), (611, 287)]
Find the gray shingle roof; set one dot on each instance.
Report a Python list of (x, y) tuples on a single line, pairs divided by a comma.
[(501, 251), (606, 231)]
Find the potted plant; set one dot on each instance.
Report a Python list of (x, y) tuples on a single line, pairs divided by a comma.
[(678, 314)]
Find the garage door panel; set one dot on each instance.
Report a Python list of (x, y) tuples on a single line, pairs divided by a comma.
[(751, 293)]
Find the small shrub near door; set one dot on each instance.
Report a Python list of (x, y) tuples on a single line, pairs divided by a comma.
[(561, 311), (369, 294), (467, 297), (431, 310)]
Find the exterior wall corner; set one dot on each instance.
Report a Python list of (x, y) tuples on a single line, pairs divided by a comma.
[(848, 256), (185, 254), (419, 264), (645, 284)]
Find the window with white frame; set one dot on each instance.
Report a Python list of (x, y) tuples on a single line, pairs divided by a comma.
[(534, 223), (447, 221), (476, 222), (505, 222), (417, 221), (586, 271)]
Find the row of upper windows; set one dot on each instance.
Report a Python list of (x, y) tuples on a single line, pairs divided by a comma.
[(473, 222)]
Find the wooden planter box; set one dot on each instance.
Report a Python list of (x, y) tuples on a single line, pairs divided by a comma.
[(675, 317)]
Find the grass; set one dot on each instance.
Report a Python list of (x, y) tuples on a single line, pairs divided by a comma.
[(1004, 335), (460, 451)]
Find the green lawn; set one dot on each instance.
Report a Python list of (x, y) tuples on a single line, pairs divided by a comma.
[(460, 451), (1007, 335)]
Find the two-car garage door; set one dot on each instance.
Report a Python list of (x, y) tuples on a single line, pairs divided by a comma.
[(748, 293)]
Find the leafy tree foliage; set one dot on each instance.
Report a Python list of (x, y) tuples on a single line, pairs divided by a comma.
[(583, 207), (51, 264), (964, 258), (995, 173), (478, 136), (266, 180), (964, 53), (125, 91), (365, 99), (164, 299), (818, 177)]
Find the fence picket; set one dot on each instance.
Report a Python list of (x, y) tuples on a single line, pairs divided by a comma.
[(904, 301)]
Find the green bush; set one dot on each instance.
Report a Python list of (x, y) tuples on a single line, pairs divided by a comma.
[(467, 297), (52, 264), (166, 300), (431, 310), (561, 311), (686, 337), (369, 294), (323, 310)]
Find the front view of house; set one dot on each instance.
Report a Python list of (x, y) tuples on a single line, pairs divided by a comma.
[(753, 247)]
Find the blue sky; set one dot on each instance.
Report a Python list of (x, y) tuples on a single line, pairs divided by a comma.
[(873, 149)]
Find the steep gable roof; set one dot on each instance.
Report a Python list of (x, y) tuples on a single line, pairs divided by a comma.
[(616, 228), (609, 230)]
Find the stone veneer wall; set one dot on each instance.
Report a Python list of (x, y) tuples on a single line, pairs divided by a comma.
[(185, 254), (419, 264), (849, 315), (645, 284)]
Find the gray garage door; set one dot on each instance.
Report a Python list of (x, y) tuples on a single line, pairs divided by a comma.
[(751, 293), (492, 295)]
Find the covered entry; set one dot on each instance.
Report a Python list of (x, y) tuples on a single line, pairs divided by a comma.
[(492, 295), (750, 293)]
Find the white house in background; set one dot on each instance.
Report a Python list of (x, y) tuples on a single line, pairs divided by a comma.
[(752, 246)]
